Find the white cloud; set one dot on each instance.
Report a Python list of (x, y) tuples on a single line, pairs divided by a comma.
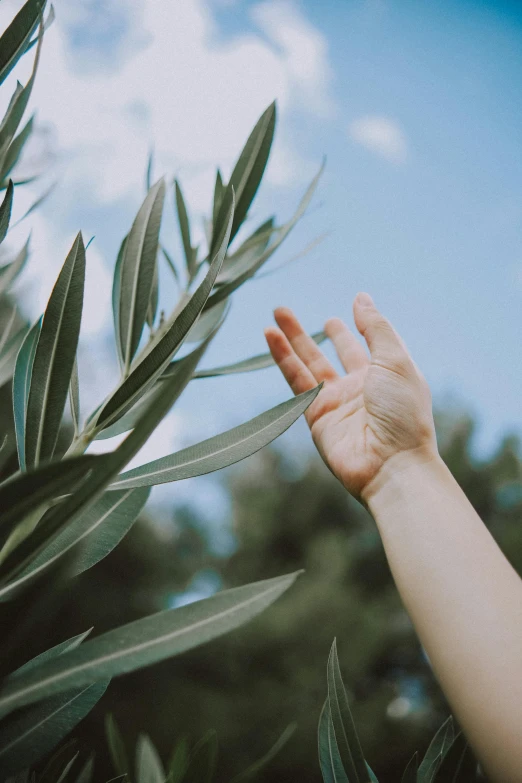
[(381, 135)]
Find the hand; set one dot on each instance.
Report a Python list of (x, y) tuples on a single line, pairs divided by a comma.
[(379, 409)]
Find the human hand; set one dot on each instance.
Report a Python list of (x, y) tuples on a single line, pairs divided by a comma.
[(362, 420)]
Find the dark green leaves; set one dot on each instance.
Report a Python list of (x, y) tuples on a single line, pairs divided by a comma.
[(5, 210), (143, 642), (21, 385), (36, 730), (184, 229), (137, 270), (149, 768), (439, 745), (13, 42), (156, 359), (221, 450), (248, 172), (346, 736), (410, 773), (54, 358)]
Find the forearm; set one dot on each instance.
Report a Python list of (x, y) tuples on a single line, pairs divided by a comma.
[(464, 599)]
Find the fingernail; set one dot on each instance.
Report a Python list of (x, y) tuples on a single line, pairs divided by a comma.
[(365, 300)]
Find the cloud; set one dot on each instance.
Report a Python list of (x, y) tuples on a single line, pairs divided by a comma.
[(381, 135)]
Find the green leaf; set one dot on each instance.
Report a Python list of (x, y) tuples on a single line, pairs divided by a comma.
[(9, 353), (149, 768), (54, 358), (26, 492), (410, 773), (148, 173), (371, 773), (345, 733), (248, 172), (259, 362), (116, 746), (36, 730), (438, 747), (144, 374), (171, 265), (207, 322), (19, 100), (5, 210), (247, 253), (107, 467), (52, 652), (101, 528), (9, 272), (254, 768), (55, 766), (12, 155), (323, 745), (223, 291), (221, 450), (143, 642), (13, 42), (21, 385), (203, 759), (116, 292), (458, 765), (85, 775), (137, 271), (219, 190), (184, 229), (152, 309), (74, 397), (179, 761)]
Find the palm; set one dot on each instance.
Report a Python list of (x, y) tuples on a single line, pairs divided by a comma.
[(359, 419)]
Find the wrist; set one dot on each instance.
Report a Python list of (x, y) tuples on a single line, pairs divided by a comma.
[(401, 475)]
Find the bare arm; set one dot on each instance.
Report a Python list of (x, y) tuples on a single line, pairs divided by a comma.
[(374, 429)]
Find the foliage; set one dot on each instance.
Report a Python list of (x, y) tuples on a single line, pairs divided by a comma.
[(64, 510)]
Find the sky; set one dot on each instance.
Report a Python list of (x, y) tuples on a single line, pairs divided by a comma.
[(417, 107)]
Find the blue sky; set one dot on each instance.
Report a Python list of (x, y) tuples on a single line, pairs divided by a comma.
[(418, 108)]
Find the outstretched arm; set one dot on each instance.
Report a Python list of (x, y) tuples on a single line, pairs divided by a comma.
[(374, 429)]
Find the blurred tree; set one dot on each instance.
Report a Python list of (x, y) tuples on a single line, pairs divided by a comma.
[(250, 685)]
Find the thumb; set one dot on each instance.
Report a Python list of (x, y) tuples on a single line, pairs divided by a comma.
[(382, 339)]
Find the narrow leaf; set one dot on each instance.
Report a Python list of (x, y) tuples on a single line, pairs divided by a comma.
[(178, 762), (52, 652), (219, 190), (107, 467), (74, 397), (137, 270), (248, 172), (36, 730), (54, 358), (154, 297), (438, 747), (151, 366), (116, 746), (14, 150), (259, 362), (221, 450), (21, 384), (184, 229), (458, 765), (116, 292), (410, 773), (254, 768), (345, 733), (14, 41), (101, 529), (206, 323), (10, 272), (85, 775), (149, 768), (203, 758), (9, 353), (143, 642), (20, 99), (227, 288), (27, 491), (323, 745), (5, 210), (247, 254), (336, 765)]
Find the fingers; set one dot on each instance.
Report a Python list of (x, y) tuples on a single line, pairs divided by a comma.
[(351, 353), (297, 375), (305, 348), (383, 341)]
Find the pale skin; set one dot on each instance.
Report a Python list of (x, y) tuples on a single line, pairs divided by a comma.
[(373, 427)]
